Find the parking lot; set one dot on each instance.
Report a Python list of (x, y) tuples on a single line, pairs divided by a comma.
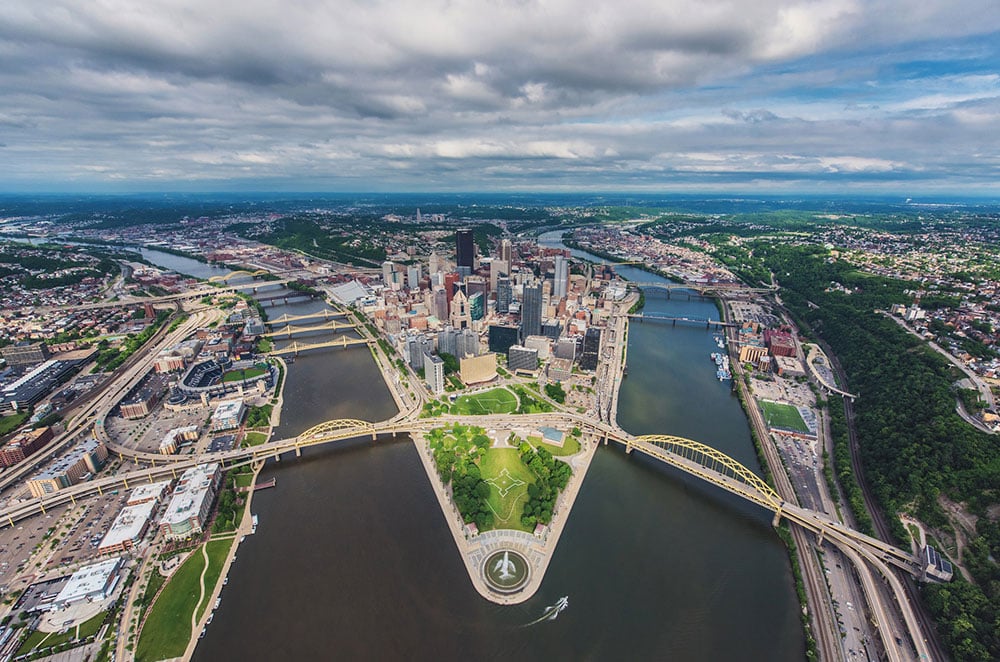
[(145, 434)]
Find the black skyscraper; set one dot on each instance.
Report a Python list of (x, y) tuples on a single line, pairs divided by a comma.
[(531, 311), (464, 248)]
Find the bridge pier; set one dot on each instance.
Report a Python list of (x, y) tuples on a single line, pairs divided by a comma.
[(374, 436), (819, 538), (298, 451), (277, 457), (777, 519), (628, 448), (605, 438)]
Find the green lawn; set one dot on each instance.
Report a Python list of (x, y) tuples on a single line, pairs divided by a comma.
[(571, 446), (91, 627), (249, 373), (507, 509), (168, 626), (495, 401), (254, 439), (10, 423), (780, 415), (217, 552)]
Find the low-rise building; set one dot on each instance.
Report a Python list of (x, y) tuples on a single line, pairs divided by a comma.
[(141, 401), (560, 370), (92, 583), (228, 415), (172, 440), (191, 502), (79, 464), (23, 445), (478, 369), (521, 358), (789, 366), (128, 528), (936, 567), (25, 353), (148, 492)]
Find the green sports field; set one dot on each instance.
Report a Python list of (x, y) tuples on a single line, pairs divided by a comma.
[(495, 401), (783, 416)]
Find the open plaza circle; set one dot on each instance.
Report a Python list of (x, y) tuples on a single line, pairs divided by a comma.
[(505, 571)]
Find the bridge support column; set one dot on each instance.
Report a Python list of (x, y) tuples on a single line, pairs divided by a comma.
[(777, 518), (277, 457), (628, 447), (819, 538), (374, 436), (298, 451), (605, 438)]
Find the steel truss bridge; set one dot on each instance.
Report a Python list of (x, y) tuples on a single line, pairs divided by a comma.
[(659, 317), (295, 347), (704, 288), (326, 314), (691, 457)]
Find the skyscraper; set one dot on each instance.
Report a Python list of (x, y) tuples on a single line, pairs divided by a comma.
[(531, 311), (505, 251), (504, 295), (477, 306), (562, 277), (464, 248)]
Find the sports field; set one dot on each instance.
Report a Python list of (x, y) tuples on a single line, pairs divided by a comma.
[(783, 416), (495, 401)]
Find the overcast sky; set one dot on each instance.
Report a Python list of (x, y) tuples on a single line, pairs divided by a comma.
[(662, 95)]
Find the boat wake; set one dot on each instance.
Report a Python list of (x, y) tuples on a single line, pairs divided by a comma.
[(551, 612)]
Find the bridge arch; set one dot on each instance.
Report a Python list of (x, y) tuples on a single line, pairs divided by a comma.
[(238, 272), (332, 429), (713, 459)]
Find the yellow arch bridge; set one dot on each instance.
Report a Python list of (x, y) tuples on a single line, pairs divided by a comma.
[(690, 456), (239, 272)]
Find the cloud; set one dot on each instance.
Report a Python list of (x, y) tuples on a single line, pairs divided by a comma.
[(464, 93)]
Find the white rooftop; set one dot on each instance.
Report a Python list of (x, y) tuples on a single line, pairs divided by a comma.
[(128, 525), (191, 491), (228, 408), (149, 491), (87, 581)]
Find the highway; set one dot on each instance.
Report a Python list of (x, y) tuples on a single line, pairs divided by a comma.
[(922, 628), (96, 408)]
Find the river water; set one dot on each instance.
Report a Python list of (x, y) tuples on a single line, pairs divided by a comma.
[(352, 558)]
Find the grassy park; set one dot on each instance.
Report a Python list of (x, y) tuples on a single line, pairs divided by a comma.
[(168, 627), (508, 479), (783, 416), (510, 487)]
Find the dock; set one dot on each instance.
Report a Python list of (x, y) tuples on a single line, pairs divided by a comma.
[(259, 486)]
